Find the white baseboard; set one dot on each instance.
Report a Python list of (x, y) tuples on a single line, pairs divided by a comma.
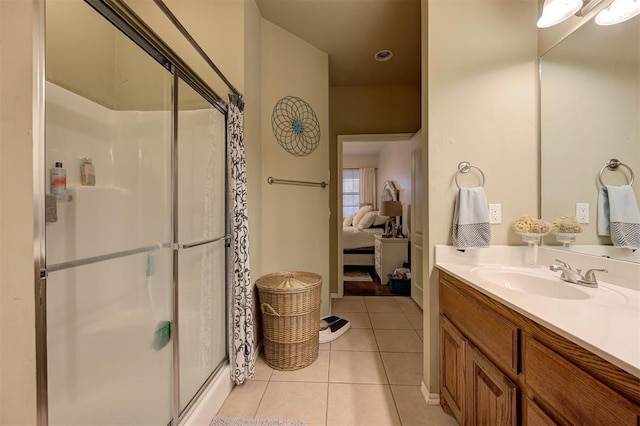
[(210, 401), (430, 398)]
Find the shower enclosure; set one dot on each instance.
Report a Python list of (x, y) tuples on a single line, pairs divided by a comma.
[(135, 265)]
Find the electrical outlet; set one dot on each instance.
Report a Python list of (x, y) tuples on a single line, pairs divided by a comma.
[(495, 213), (582, 212)]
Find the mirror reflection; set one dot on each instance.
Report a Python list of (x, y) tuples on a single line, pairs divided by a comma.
[(590, 114)]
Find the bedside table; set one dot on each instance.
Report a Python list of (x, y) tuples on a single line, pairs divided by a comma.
[(390, 253)]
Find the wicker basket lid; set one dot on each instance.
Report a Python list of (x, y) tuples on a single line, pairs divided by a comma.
[(289, 281)]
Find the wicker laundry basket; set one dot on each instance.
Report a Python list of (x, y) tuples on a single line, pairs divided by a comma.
[(290, 304)]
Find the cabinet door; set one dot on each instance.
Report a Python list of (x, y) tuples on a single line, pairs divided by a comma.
[(491, 398), (536, 416), (452, 358)]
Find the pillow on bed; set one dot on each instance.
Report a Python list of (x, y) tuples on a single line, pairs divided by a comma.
[(380, 220), (347, 221), (367, 220), (360, 214)]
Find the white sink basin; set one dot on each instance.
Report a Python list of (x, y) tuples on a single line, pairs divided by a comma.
[(530, 282)]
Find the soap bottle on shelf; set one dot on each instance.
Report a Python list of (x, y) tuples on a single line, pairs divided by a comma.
[(87, 172), (58, 180)]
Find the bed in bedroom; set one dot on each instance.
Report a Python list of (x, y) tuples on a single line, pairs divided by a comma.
[(357, 245), (358, 230)]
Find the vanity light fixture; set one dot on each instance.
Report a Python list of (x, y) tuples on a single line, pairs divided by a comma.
[(618, 11), (556, 11)]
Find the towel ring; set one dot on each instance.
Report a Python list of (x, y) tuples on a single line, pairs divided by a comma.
[(613, 165), (465, 167)]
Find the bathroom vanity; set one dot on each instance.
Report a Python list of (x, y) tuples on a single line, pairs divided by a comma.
[(542, 353)]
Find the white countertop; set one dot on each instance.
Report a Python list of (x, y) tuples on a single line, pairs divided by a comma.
[(607, 322)]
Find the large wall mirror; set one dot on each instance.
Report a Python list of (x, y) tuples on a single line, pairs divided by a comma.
[(590, 114)]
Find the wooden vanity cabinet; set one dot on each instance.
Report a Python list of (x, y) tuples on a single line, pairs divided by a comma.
[(491, 396), (575, 396), (498, 367), (452, 368)]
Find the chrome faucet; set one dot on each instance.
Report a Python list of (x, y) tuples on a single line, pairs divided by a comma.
[(569, 275), (590, 279)]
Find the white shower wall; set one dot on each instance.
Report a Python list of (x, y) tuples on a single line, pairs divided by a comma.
[(102, 317)]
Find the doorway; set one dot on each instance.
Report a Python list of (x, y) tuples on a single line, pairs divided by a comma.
[(390, 156)]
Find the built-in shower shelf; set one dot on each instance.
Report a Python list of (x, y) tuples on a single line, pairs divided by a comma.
[(64, 198)]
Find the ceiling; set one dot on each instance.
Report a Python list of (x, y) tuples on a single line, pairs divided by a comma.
[(351, 32)]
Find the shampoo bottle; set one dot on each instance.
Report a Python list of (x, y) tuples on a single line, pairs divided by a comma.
[(58, 180), (87, 173)]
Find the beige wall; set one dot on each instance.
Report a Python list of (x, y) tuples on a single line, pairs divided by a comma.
[(218, 26), (296, 218), (481, 75), (81, 49), (103, 65), (359, 161), (17, 302), (253, 137), (365, 110)]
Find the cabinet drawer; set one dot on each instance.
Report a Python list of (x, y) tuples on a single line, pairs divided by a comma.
[(489, 331), (577, 396)]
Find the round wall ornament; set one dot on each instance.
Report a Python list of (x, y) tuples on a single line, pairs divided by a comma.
[(295, 126)]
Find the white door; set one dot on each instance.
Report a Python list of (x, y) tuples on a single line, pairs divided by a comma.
[(416, 220)]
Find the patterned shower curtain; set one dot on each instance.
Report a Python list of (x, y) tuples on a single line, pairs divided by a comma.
[(241, 321)]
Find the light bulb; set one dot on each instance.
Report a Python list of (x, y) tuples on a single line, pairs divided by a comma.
[(618, 11), (556, 11)]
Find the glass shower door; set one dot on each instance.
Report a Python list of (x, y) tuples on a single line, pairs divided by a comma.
[(108, 253), (201, 240)]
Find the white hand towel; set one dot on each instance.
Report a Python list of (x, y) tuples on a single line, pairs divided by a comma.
[(603, 213), (471, 226), (618, 210)]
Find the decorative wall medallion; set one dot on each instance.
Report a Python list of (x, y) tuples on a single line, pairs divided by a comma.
[(295, 126)]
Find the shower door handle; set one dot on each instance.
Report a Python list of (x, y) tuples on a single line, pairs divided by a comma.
[(201, 243)]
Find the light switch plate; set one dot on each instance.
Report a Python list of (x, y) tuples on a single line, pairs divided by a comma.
[(582, 212), (495, 213)]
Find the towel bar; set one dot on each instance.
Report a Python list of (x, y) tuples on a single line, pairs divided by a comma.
[(465, 167), (613, 165), (271, 180)]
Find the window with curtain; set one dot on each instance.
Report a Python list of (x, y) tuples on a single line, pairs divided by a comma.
[(350, 191)]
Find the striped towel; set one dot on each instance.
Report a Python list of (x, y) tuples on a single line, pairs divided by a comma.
[(619, 216), (471, 226)]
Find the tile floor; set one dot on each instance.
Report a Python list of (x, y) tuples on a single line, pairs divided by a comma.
[(369, 376)]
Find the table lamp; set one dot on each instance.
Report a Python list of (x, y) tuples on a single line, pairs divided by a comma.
[(392, 209)]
